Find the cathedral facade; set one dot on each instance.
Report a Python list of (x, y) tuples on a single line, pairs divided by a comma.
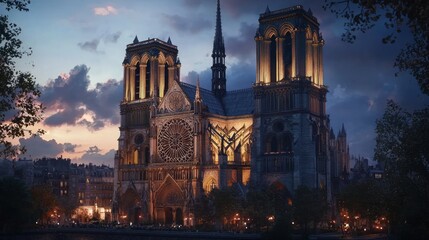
[(178, 141)]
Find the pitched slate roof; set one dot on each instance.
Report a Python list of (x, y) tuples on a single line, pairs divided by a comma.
[(239, 102), (234, 103)]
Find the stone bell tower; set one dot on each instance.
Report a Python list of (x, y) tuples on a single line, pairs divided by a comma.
[(290, 121)]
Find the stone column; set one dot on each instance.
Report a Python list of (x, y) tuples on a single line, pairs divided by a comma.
[(125, 90), (293, 67), (266, 61), (258, 41), (315, 62), (309, 58), (320, 68), (143, 80), (132, 83), (280, 63)]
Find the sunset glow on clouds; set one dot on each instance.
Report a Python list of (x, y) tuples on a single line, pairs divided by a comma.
[(104, 11), (78, 51)]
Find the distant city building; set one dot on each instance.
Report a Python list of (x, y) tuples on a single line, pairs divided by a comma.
[(89, 188), (6, 168), (340, 159), (178, 141), (363, 171)]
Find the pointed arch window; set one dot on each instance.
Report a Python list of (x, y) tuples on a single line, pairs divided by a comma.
[(287, 55), (147, 83), (136, 156), (287, 141), (146, 155), (137, 81), (273, 62), (165, 78)]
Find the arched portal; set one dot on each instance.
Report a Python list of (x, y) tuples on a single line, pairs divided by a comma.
[(169, 198), (179, 216), (168, 213), (130, 209)]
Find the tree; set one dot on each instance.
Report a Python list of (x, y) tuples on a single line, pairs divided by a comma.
[(226, 203), (15, 205), (259, 206), (204, 213), (309, 207), (402, 148), (19, 108), (67, 205), (44, 202), (364, 200), (361, 15)]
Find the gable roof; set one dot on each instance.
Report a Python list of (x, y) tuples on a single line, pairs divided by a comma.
[(234, 103)]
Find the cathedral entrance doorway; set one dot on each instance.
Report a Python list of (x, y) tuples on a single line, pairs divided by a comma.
[(168, 212), (179, 216), (130, 209), (169, 203)]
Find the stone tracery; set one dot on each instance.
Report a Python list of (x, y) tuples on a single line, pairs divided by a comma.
[(175, 142)]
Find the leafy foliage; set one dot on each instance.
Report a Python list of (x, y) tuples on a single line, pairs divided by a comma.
[(43, 202), (309, 207), (19, 108), (226, 202), (363, 199), (402, 148), (15, 205), (397, 15)]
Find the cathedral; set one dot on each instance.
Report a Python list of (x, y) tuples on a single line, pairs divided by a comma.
[(178, 141)]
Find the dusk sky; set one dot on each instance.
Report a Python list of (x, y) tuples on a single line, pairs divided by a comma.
[(78, 48)]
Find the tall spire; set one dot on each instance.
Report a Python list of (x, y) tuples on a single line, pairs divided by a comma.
[(197, 92), (218, 55)]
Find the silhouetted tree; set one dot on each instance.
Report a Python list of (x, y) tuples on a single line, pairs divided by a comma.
[(364, 200), (15, 206), (397, 15), (44, 202), (67, 205), (226, 202), (259, 206), (19, 109), (402, 148), (204, 213), (309, 207)]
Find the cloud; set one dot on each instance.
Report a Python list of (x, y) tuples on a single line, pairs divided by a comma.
[(240, 46), (104, 11), (238, 76), (69, 147), (112, 37), (192, 24), (71, 102), (94, 156), (37, 147), (193, 3), (93, 45), (90, 46), (93, 149)]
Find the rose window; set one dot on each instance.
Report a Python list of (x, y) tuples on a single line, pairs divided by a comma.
[(175, 141)]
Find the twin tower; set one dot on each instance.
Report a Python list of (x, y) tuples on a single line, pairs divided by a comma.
[(179, 141)]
